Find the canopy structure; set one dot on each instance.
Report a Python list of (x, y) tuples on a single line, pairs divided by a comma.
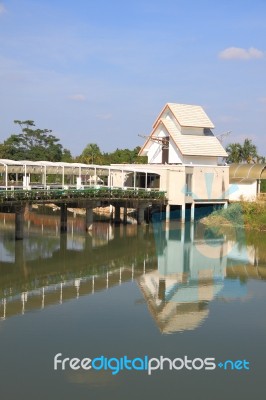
[(25, 173), (246, 173)]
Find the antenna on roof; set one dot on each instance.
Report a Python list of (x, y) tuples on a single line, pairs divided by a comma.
[(164, 141), (143, 136), (223, 135)]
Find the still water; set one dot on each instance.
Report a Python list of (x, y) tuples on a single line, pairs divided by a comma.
[(132, 291)]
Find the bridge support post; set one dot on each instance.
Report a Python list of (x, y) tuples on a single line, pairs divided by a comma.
[(63, 218), (140, 215), (117, 214), (89, 218), (125, 215), (19, 223)]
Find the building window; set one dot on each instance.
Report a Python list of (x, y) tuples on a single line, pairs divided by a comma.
[(188, 184)]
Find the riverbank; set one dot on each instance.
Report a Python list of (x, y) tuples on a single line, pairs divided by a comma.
[(251, 215)]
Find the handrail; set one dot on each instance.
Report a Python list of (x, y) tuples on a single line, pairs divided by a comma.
[(100, 192)]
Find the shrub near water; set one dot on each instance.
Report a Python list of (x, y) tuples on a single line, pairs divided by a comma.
[(233, 213), (250, 214)]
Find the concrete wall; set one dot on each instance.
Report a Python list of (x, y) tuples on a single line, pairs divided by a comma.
[(192, 131), (243, 191), (175, 157), (199, 160), (208, 183)]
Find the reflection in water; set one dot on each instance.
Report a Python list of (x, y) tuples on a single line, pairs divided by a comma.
[(179, 269), (50, 268), (192, 267)]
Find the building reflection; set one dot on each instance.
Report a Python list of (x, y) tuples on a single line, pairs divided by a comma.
[(195, 266), (179, 269)]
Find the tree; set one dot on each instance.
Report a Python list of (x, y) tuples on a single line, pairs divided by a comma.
[(32, 144), (91, 154), (249, 151), (245, 153), (234, 151)]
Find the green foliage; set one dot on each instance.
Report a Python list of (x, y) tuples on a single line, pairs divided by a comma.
[(263, 186), (246, 153), (93, 155), (33, 144), (251, 215), (233, 213)]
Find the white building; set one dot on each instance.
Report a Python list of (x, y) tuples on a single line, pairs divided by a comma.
[(190, 160), (182, 135)]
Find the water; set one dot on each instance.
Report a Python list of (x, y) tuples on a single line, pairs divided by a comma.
[(130, 291)]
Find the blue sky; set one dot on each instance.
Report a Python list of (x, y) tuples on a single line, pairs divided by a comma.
[(101, 71)]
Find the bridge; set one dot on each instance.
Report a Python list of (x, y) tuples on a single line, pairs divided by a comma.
[(76, 185)]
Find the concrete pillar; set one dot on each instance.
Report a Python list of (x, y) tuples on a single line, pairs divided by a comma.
[(192, 232), (89, 218), (182, 234), (117, 214), (140, 215), (225, 205), (192, 212), (125, 215), (63, 219), (167, 214), (19, 223), (183, 213), (63, 246)]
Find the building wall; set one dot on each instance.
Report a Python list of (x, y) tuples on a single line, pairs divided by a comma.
[(192, 131), (243, 191), (200, 160), (208, 183), (175, 157), (155, 150)]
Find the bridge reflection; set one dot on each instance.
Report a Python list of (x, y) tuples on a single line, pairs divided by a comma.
[(179, 269)]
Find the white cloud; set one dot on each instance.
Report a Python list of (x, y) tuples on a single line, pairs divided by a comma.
[(77, 97), (238, 53), (2, 8)]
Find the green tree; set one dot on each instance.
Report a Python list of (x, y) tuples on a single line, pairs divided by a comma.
[(91, 154), (66, 156), (234, 151), (245, 153), (249, 151), (32, 144)]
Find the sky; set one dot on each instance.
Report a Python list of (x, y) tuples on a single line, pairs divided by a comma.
[(101, 71)]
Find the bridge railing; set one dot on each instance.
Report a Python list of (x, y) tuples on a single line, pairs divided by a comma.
[(101, 193)]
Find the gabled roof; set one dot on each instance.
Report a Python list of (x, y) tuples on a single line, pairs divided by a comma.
[(192, 145), (189, 145), (188, 115)]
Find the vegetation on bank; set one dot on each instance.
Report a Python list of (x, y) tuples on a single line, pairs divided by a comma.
[(251, 215)]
